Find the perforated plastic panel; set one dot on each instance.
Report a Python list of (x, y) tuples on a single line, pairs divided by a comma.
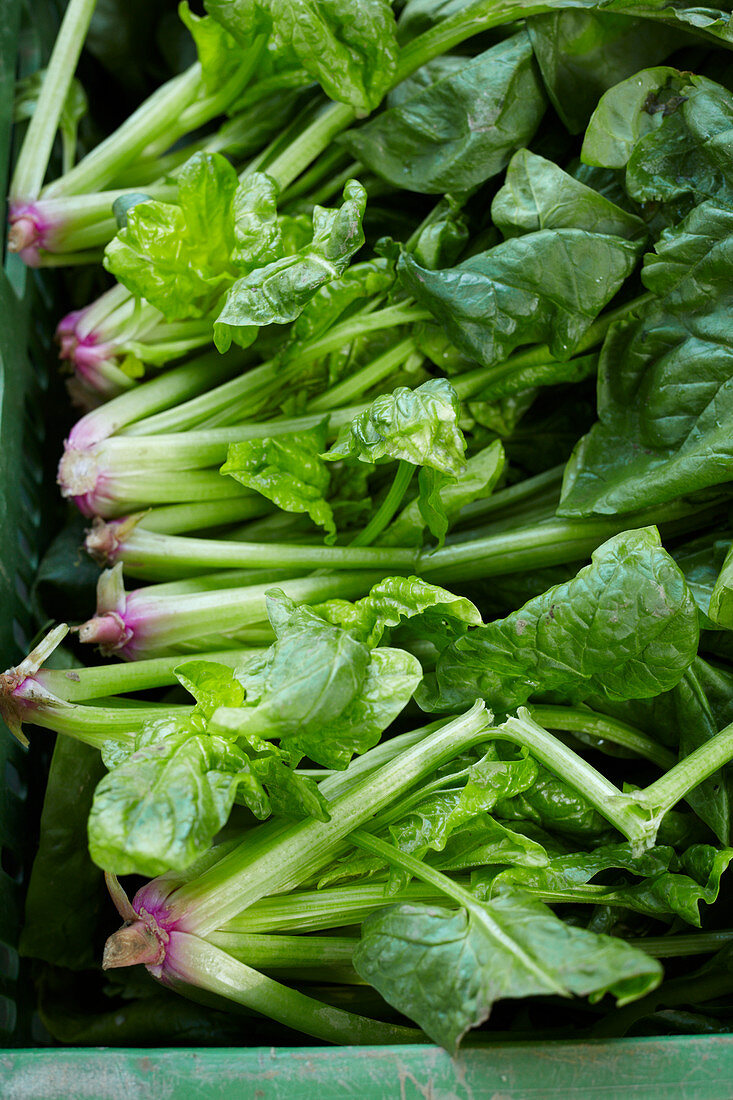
[(25, 471)]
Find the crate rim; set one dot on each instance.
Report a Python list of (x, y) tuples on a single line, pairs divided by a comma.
[(687, 1067)]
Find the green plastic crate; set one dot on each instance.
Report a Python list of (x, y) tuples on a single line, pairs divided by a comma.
[(690, 1068)]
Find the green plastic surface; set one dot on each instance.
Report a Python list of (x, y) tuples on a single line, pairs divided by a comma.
[(690, 1068), (630, 1069)]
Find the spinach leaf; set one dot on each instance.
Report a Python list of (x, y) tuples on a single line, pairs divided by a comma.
[(395, 599), (664, 395), (622, 117), (460, 130), (537, 194), (319, 689), (565, 871), (444, 237), (445, 969), (218, 52), (295, 704), (625, 626), (482, 841), (667, 129), (467, 797), (554, 806), (701, 560), (348, 46), (178, 257), (669, 885), (211, 684), (418, 426), (65, 894), (309, 676), (277, 291), (582, 53), (161, 807), (721, 598), (687, 157), (544, 287), (391, 678), (223, 251), (478, 842), (288, 470)]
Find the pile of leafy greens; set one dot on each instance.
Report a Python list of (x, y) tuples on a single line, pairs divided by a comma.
[(406, 448)]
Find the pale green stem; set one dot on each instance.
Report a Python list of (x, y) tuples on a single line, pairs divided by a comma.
[(196, 962), (264, 865), (602, 728), (156, 115), (34, 155), (76, 685), (362, 380), (388, 507)]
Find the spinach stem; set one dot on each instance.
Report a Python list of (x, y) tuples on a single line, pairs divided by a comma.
[(94, 725), (320, 910), (196, 962), (286, 952), (177, 519), (388, 507), (35, 152), (272, 859), (603, 728), (158, 557), (683, 945), (619, 809), (507, 501), (356, 385), (157, 115), (688, 773), (139, 404), (80, 684)]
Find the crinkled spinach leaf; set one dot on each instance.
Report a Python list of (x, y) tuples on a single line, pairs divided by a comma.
[(625, 626), (395, 599), (348, 46), (418, 426), (669, 885), (277, 291), (288, 470), (161, 807)]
